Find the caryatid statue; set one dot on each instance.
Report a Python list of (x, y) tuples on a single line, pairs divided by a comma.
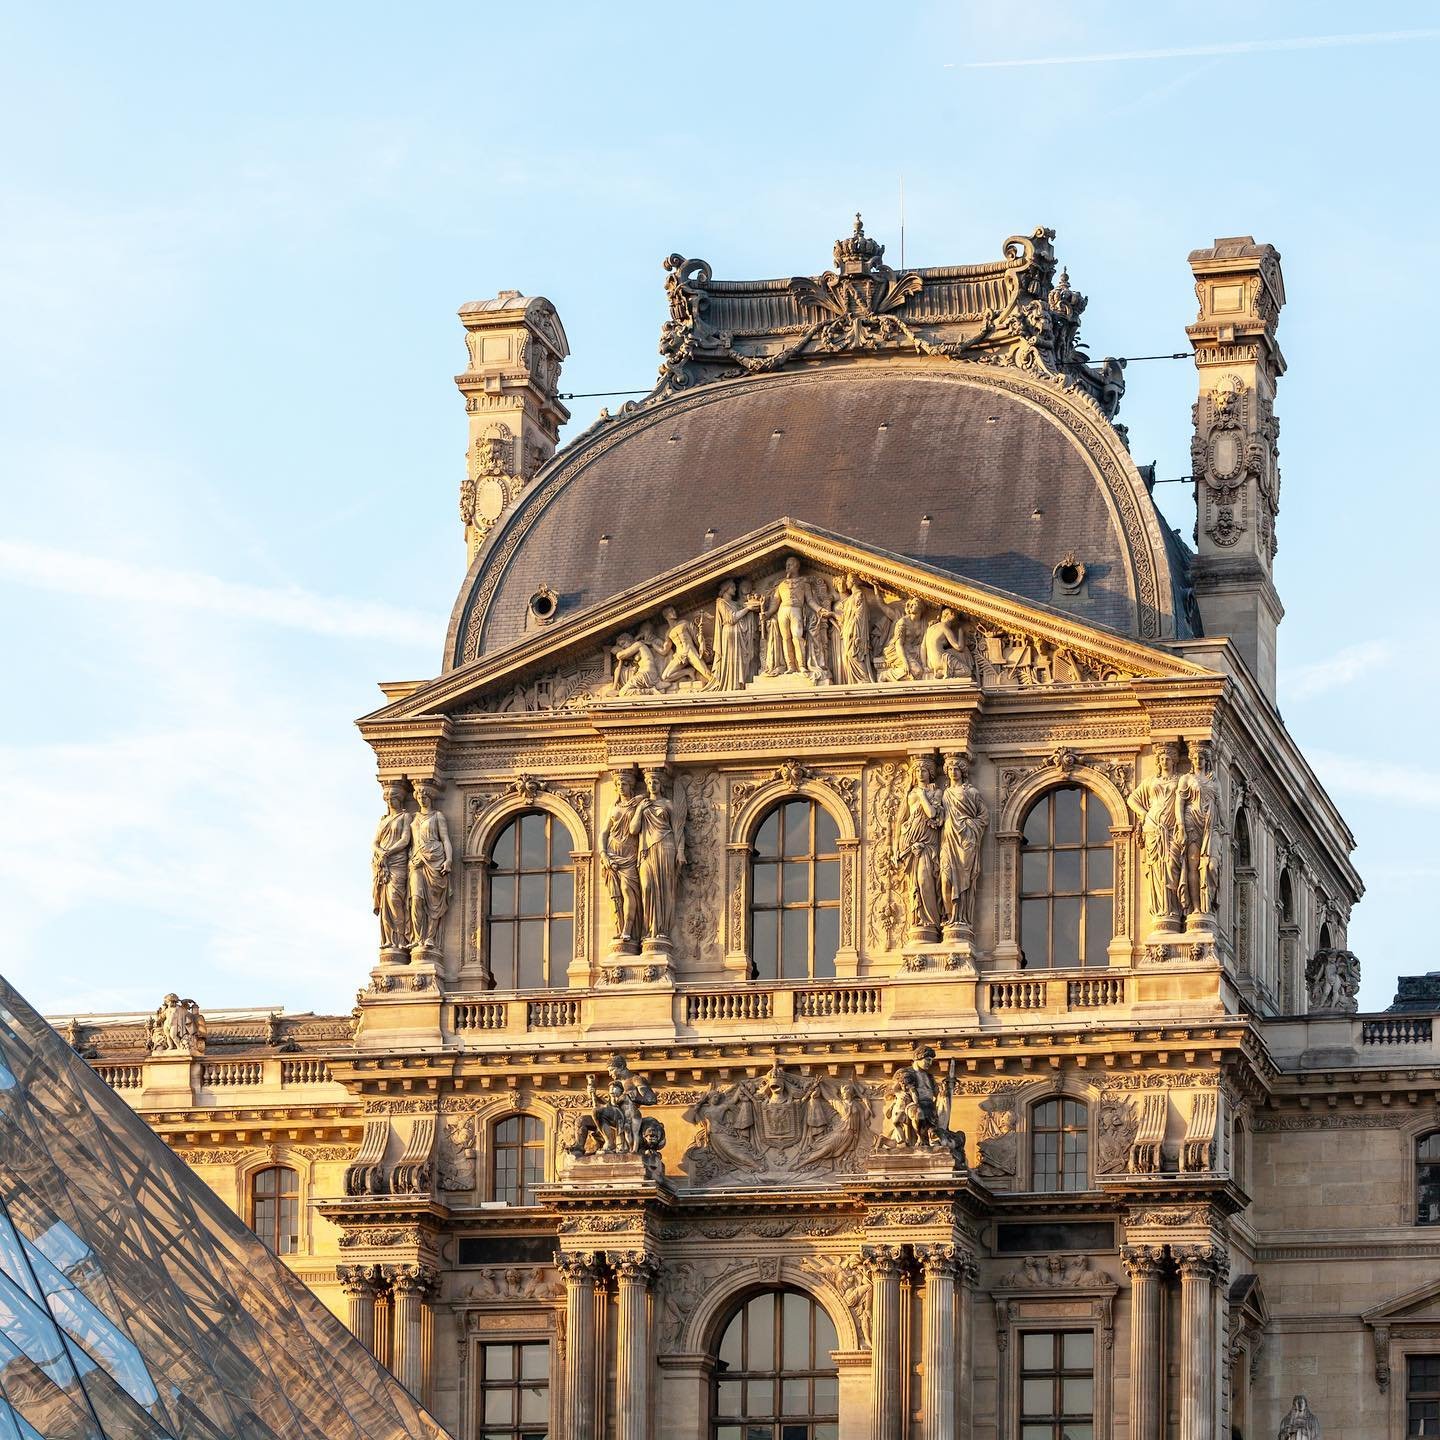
[(1154, 802), (390, 872), (430, 860), (916, 849), (619, 858), (788, 609), (658, 823), (964, 820), (1197, 800)]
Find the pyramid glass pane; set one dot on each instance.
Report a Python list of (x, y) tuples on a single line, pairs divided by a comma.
[(134, 1305)]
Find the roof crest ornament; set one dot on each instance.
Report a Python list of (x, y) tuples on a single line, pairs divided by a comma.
[(1015, 311)]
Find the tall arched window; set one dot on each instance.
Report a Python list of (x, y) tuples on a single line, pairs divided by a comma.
[(519, 1165), (531, 903), (1067, 877), (1427, 1179), (1059, 1145), (795, 893), (774, 1378), (275, 1208), (1287, 948), (1242, 875)]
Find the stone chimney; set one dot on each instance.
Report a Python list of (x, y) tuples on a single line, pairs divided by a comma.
[(511, 391), (1233, 450)]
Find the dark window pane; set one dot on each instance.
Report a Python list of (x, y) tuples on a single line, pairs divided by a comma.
[(1067, 816), (827, 833), (1078, 1351), (827, 880), (502, 895), (532, 894), (795, 827), (1035, 872), (760, 1338), (534, 842), (1100, 869), (1034, 932), (795, 944), (1065, 937), (1097, 930), (765, 885), (795, 884), (562, 893), (1037, 823), (1037, 1352), (764, 945), (559, 846), (767, 838), (827, 942), (1097, 822), (1067, 872), (562, 948), (795, 1329)]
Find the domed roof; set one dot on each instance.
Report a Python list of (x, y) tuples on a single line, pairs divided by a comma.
[(982, 470)]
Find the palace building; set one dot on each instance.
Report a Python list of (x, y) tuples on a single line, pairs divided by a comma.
[(859, 954)]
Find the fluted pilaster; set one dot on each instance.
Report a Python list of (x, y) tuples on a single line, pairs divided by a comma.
[(1147, 1335), (361, 1285), (887, 1395), (938, 1355), (580, 1272), (635, 1274), (409, 1286), (1200, 1267)]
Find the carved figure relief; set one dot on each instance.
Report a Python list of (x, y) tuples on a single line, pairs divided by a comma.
[(1300, 1423), (887, 787), (390, 872), (850, 1276), (1154, 802), (914, 1110), (620, 862), (176, 1028), (615, 1122), (431, 858), (790, 618), (736, 638), (457, 1161), (1332, 979), (964, 820), (658, 824), (1115, 1124), (999, 1116), (915, 846), (779, 1124), (1197, 799), (1054, 1272), (698, 916)]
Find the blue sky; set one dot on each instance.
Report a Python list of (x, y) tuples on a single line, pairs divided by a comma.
[(232, 244)]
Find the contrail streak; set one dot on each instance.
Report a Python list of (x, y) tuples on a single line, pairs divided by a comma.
[(1238, 47)]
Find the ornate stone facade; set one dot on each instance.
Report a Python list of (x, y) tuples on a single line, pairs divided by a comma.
[(809, 915)]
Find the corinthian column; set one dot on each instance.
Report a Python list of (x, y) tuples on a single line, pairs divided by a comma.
[(1147, 1318), (359, 1283), (938, 1370), (408, 1288), (580, 1272), (636, 1273), (1200, 1266), (885, 1378)]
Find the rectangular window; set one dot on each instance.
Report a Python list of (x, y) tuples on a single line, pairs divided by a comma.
[(1422, 1396), (514, 1398), (1057, 1385)]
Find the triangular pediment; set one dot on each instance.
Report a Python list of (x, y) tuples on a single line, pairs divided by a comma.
[(790, 608), (1416, 1307)]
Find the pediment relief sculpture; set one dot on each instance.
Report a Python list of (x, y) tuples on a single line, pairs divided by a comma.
[(802, 628), (778, 1125)]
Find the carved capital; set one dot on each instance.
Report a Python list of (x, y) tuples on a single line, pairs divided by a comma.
[(359, 1280), (581, 1267), (1141, 1260), (941, 1261), (882, 1261), (411, 1279), (1205, 1262), (635, 1267)]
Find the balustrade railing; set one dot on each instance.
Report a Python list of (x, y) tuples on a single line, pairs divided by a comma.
[(713, 1005), (829, 1000), (121, 1077), (304, 1072), (215, 1073), (1396, 1030), (1101, 990), (1017, 995), (551, 1014), (480, 1015)]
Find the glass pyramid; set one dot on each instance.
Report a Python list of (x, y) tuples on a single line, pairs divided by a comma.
[(133, 1303)]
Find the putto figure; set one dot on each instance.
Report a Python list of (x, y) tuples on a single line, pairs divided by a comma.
[(913, 1111), (176, 1028), (658, 823), (916, 849), (430, 860), (1154, 803), (787, 612), (964, 820), (389, 873), (619, 857)]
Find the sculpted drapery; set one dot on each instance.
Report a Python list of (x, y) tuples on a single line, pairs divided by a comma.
[(1154, 802), (659, 826), (619, 858), (737, 639), (430, 861), (389, 870), (917, 849), (964, 819)]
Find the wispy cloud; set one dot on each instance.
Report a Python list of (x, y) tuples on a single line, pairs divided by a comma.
[(101, 577), (1376, 780), (1342, 668), (1235, 47)]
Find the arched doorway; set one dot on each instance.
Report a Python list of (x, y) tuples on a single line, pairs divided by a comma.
[(774, 1378)]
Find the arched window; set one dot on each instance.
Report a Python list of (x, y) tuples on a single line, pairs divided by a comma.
[(275, 1208), (1241, 880), (1427, 1179), (1287, 899), (1059, 1145), (531, 904), (1326, 943), (1291, 982), (795, 893), (774, 1378), (1067, 872), (519, 1166)]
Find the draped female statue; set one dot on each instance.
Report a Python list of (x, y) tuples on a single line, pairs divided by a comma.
[(430, 861), (916, 849), (389, 871), (659, 825), (964, 819), (737, 638)]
